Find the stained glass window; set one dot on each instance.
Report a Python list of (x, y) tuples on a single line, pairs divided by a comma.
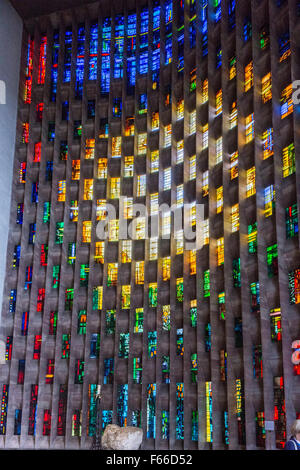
[(219, 195), (94, 345), (105, 55), (108, 371), (291, 221), (131, 51), (54, 68), (247, 30), (165, 369), (269, 196), (79, 371), (68, 55), (288, 160), (125, 297), (249, 76), (284, 46), (39, 112), (137, 370), (81, 322), (194, 368), (208, 403), (194, 424), (220, 251), (219, 99), (260, 429), (122, 404), (203, 26), (266, 87), (151, 410), (267, 143), (22, 172), (286, 100), (156, 44), (107, 416), (152, 343), (233, 115), (32, 410), (240, 410), (17, 423), (234, 172), (236, 272), (179, 289), (28, 70), (66, 344), (165, 425), (207, 336), (223, 365), (53, 323), (272, 260), (250, 188), (42, 60), (119, 46), (179, 342), (192, 20), (179, 411), (264, 38), (144, 29), (276, 325), (193, 313), (124, 345), (255, 297), (8, 348), (249, 128), (69, 297), (232, 67), (180, 35), (168, 30), (193, 83), (76, 423), (139, 320), (93, 51), (252, 238), (62, 410), (50, 371), (235, 218), (294, 286), (93, 391), (17, 255), (153, 294), (206, 284)]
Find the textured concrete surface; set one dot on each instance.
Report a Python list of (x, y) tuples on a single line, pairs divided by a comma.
[(10, 51)]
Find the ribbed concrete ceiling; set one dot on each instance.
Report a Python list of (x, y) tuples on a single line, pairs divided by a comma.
[(31, 8)]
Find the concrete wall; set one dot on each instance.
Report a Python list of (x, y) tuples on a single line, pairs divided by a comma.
[(10, 50)]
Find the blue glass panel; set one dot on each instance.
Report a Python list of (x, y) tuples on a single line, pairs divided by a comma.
[(93, 51), (68, 55), (143, 66), (131, 50), (105, 55), (54, 68), (119, 46), (80, 62), (168, 30)]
